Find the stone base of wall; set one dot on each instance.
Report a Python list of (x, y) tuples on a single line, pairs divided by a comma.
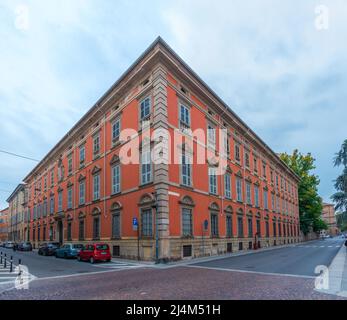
[(197, 247)]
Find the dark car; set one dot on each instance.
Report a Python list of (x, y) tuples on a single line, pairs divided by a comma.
[(69, 250), (48, 249), (25, 246)]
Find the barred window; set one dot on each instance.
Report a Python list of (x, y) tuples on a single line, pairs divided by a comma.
[(250, 228), (116, 224), (229, 230), (96, 228), (146, 223), (187, 223), (214, 224), (81, 230), (240, 226)]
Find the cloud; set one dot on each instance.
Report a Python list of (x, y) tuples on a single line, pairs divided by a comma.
[(266, 59)]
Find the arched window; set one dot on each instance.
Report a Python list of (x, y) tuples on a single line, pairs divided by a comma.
[(187, 205), (214, 211)]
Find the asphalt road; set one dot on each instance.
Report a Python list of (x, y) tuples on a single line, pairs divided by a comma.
[(300, 259), (50, 266), (261, 275)]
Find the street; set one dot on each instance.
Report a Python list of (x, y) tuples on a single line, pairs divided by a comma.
[(286, 272)]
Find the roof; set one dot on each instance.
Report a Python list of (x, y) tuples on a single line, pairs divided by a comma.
[(160, 41), (18, 188)]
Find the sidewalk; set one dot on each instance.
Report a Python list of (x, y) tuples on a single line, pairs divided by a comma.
[(337, 275)]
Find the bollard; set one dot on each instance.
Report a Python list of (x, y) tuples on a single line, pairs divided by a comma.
[(11, 264), (5, 264), (1, 257)]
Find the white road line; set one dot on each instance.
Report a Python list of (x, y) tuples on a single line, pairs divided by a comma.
[(322, 246), (255, 272)]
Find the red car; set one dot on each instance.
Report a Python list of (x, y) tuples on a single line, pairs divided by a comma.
[(95, 252)]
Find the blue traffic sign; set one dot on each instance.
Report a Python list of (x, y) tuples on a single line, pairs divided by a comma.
[(206, 224), (135, 222)]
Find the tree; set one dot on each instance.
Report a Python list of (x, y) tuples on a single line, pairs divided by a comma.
[(340, 197), (310, 203)]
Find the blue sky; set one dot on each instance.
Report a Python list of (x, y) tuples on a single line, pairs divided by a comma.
[(267, 59)]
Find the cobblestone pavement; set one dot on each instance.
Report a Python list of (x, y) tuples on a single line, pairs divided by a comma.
[(183, 283)]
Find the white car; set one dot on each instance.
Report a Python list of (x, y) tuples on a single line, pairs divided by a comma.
[(9, 245)]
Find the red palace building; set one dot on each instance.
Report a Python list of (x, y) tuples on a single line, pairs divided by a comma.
[(132, 173)]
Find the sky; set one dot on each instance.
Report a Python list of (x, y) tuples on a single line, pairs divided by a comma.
[(280, 65)]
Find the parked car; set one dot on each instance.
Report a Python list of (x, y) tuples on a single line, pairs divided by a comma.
[(25, 246), (95, 252), (9, 245), (48, 249), (68, 250)]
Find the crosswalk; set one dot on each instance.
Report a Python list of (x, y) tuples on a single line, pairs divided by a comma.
[(119, 265)]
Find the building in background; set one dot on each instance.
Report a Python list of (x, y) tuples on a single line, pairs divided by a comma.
[(17, 209), (85, 191), (4, 224), (329, 216)]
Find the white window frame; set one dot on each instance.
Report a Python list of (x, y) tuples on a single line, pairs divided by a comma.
[(116, 178)]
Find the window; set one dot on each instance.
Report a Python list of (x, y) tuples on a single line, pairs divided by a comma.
[(186, 169), (81, 230), (69, 198), (44, 234), (237, 152), (227, 186), (187, 251), (146, 167), (229, 228), (60, 201), (184, 116), (82, 189), (45, 208), (51, 233), (272, 176), (255, 163), (240, 226), (256, 196), (52, 177), (212, 180), (145, 107), (258, 228), (96, 144), (211, 136), (267, 229), (82, 154), (248, 193), (69, 164), (44, 183), (279, 230), (51, 205), (146, 223), (239, 189), (214, 224), (187, 222), (96, 228), (115, 130), (247, 159), (69, 231), (38, 233), (250, 228), (272, 201), (277, 181), (274, 228), (116, 179), (226, 145), (264, 170), (96, 187), (116, 224), (266, 205)]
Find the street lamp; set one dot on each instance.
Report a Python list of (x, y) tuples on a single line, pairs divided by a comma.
[(155, 206)]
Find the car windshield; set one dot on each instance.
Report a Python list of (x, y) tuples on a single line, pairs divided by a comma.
[(102, 247), (78, 246)]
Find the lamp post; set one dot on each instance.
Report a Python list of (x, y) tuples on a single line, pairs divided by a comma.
[(155, 206)]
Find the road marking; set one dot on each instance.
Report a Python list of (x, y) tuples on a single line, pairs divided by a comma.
[(255, 272)]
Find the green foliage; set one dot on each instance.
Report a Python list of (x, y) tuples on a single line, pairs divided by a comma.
[(340, 197), (341, 221), (310, 203)]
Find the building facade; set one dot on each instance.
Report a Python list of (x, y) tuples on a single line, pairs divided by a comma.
[(4, 224), (17, 226), (149, 171), (328, 215)]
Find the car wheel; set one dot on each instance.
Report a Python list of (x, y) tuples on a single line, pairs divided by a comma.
[(91, 260), (108, 260), (65, 255)]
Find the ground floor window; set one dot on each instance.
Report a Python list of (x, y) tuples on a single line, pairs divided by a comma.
[(258, 228), (187, 251), (267, 229), (51, 233), (69, 231), (187, 222), (34, 234), (229, 226), (214, 224), (250, 228), (96, 228), (44, 234), (116, 224), (240, 226), (38, 233), (274, 227), (81, 230), (146, 223)]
